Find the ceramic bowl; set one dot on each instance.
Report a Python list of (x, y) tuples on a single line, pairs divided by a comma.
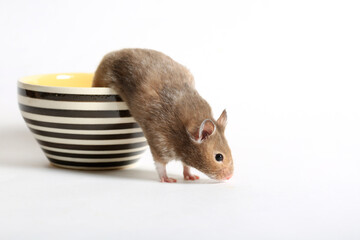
[(78, 126)]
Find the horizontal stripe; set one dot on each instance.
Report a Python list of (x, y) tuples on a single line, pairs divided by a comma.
[(44, 118), (94, 152), (109, 147), (92, 165), (75, 113), (87, 136), (95, 156), (67, 90), (82, 168), (83, 127), (89, 160), (89, 142), (90, 132), (68, 97), (72, 105)]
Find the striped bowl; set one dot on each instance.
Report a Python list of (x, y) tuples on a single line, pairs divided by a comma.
[(78, 126)]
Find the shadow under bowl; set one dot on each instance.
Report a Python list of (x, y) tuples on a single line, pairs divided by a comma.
[(79, 126)]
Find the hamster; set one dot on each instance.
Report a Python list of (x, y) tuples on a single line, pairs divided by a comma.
[(177, 122)]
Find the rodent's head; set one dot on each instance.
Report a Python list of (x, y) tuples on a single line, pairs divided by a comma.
[(213, 153)]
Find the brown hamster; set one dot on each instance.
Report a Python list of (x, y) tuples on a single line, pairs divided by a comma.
[(177, 122)]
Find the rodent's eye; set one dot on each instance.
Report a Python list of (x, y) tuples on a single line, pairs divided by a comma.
[(219, 157)]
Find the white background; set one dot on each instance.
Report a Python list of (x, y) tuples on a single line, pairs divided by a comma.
[(288, 73)]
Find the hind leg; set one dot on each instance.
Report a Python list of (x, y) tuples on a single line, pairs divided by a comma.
[(161, 169)]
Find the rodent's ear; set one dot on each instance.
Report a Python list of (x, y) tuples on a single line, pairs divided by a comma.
[(222, 121), (207, 128)]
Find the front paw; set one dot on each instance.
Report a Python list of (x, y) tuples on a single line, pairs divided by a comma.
[(190, 177)]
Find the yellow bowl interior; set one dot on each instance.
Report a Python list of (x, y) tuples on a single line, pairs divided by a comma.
[(83, 80)]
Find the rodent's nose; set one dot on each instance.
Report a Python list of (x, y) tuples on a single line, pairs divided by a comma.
[(228, 177)]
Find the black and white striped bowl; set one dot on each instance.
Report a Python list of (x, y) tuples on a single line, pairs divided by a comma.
[(78, 126)]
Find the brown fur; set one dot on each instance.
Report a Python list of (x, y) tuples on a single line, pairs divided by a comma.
[(162, 98)]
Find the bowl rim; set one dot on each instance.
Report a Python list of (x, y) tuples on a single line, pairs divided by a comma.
[(65, 90)]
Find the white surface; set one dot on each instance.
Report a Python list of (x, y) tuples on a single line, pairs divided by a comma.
[(288, 74)]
